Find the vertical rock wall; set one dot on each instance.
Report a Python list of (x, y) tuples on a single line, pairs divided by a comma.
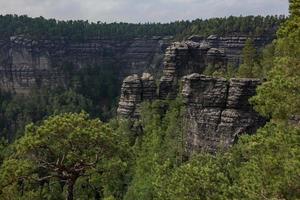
[(195, 54), (218, 111), (26, 63), (135, 89)]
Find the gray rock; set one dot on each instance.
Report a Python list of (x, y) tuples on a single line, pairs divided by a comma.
[(148, 87), (131, 97), (240, 91), (27, 63), (217, 111), (194, 55), (195, 38), (134, 90)]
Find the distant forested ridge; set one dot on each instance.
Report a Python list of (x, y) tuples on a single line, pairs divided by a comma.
[(79, 29)]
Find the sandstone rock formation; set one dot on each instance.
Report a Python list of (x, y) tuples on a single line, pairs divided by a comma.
[(134, 90), (218, 111), (26, 63), (148, 87), (131, 96), (181, 58), (195, 54)]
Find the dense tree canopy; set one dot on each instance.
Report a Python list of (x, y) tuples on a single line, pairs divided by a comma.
[(80, 30), (247, 69), (18, 110), (264, 166), (67, 150), (279, 96)]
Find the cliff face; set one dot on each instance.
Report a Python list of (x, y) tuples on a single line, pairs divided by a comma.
[(135, 89), (26, 63), (194, 55), (217, 110)]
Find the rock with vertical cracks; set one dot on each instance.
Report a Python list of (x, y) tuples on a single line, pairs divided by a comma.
[(217, 111)]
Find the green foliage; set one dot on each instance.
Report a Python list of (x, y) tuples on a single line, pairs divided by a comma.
[(17, 111), (249, 68), (249, 25), (255, 64), (3, 149), (159, 149), (39, 28), (67, 101), (93, 89), (249, 53), (229, 72), (268, 164), (209, 70), (291, 26), (267, 60), (100, 84), (70, 150), (294, 8), (264, 166), (201, 178), (279, 96)]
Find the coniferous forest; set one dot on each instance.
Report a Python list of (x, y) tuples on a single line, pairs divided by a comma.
[(39, 28), (63, 147)]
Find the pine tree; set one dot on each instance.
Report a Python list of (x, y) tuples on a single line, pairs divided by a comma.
[(267, 61), (294, 8), (249, 54), (279, 96), (68, 149)]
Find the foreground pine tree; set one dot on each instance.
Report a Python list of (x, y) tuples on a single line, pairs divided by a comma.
[(62, 152)]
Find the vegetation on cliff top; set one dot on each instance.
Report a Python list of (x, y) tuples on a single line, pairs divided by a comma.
[(41, 28)]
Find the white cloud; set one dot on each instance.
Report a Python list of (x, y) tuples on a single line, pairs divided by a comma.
[(141, 10)]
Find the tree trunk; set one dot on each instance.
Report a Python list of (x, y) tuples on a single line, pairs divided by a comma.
[(70, 189)]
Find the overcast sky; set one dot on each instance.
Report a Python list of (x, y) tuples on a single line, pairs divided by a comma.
[(141, 10)]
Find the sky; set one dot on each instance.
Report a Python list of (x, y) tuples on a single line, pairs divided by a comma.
[(136, 11)]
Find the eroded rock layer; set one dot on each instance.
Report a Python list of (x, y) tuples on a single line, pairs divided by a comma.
[(218, 111), (195, 54), (26, 63), (131, 96), (135, 89)]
